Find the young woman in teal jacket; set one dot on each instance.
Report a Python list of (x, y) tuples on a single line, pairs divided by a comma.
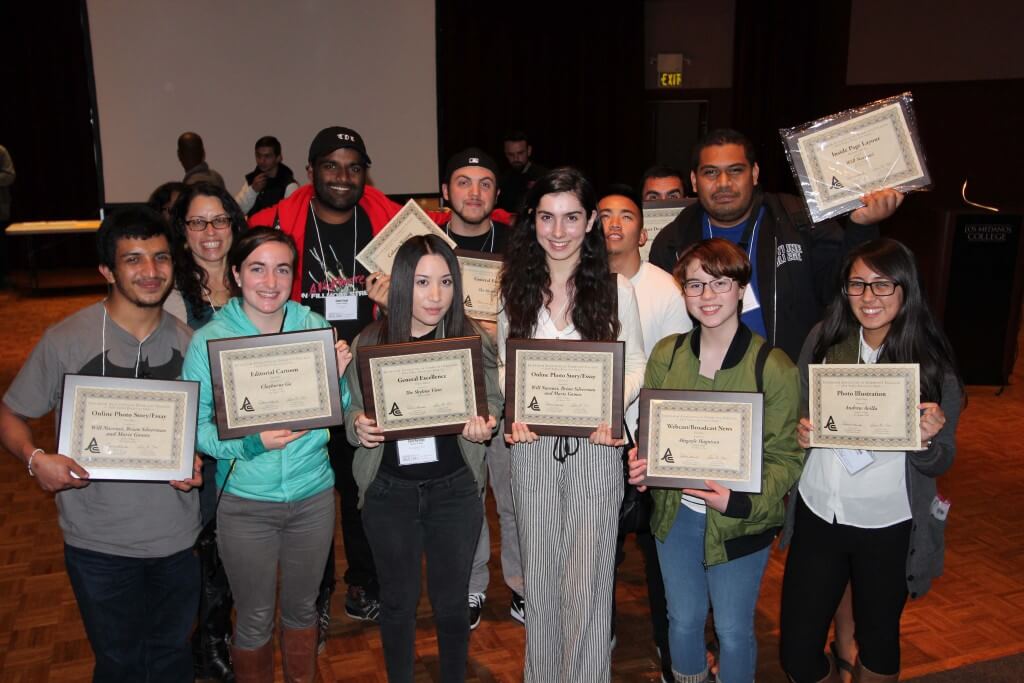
[(277, 505)]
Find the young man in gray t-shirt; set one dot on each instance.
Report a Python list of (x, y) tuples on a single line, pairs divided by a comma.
[(127, 545)]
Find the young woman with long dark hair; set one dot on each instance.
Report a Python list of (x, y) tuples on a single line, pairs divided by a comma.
[(556, 284), (872, 519), (276, 509), (713, 544), (423, 496)]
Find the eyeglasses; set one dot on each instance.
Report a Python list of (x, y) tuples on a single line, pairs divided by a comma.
[(878, 287), (696, 287), (197, 224)]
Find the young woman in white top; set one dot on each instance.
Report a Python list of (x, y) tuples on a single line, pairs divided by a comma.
[(870, 518), (555, 284)]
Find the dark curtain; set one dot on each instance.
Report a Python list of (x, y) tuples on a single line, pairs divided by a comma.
[(568, 73), (44, 119)]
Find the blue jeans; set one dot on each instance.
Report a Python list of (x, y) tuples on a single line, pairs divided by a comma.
[(733, 588), (406, 519), (138, 613)]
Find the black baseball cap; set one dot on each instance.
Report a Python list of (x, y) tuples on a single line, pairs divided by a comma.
[(473, 156), (336, 137)]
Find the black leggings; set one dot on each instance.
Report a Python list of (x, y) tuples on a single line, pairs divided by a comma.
[(823, 557)]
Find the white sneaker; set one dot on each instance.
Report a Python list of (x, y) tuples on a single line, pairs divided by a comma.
[(476, 606)]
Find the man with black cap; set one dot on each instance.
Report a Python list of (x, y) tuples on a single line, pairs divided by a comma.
[(470, 188), (331, 220)]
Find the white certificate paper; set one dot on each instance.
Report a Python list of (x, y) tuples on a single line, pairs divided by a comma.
[(869, 407), (480, 284), (411, 220), (656, 216), (129, 429), (562, 388), (418, 390), (839, 158)]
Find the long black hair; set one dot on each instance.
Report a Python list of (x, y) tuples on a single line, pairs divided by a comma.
[(526, 281), (396, 326), (190, 278), (913, 336)]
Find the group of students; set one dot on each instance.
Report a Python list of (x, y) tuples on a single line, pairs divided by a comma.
[(275, 512)]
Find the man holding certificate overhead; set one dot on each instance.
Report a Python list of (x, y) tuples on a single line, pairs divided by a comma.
[(127, 544), (794, 263), (713, 541)]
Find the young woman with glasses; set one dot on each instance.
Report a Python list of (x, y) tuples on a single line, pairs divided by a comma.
[(714, 543), (879, 525)]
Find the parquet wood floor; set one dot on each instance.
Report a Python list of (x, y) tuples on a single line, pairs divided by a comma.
[(975, 612)]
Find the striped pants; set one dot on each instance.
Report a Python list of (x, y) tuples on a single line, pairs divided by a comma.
[(567, 517)]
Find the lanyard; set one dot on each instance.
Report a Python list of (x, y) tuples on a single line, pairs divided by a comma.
[(749, 237), (323, 254), (448, 231)]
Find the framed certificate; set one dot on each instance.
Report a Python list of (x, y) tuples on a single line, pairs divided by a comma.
[(838, 158), (689, 437), (564, 387), (870, 407), (132, 429), (423, 388), (481, 275), (410, 221), (275, 381), (656, 216)]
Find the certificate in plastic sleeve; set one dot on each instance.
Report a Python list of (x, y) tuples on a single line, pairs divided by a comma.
[(865, 406), (423, 388), (481, 275), (275, 381), (130, 429), (410, 221), (689, 437), (656, 216), (564, 387), (838, 158)]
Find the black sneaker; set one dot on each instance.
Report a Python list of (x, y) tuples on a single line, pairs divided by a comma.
[(476, 607), (517, 608), (360, 606)]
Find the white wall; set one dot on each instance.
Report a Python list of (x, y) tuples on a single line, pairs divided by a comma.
[(234, 71)]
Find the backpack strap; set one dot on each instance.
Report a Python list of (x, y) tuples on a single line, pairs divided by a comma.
[(680, 339), (762, 358)]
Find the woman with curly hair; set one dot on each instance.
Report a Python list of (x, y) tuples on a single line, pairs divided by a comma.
[(555, 284)]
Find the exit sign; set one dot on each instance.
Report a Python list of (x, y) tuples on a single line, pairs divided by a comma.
[(670, 70), (670, 79)]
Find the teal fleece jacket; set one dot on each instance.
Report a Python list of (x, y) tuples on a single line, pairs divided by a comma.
[(297, 471)]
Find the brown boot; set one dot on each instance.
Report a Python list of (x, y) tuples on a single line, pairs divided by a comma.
[(254, 666), (298, 651), (862, 675)]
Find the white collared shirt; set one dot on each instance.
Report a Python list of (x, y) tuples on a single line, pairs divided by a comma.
[(872, 498)]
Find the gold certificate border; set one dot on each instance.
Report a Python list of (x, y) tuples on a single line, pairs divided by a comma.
[(688, 410), (392, 423), (825, 196), (909, 372), (603, 360), (229, 356), (83, 394), (489, 266), (411, 220)]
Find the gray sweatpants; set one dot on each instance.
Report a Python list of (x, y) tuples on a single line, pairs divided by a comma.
[(255, 538), (568, 514)]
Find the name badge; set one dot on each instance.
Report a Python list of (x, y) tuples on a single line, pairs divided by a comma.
[(750, 302), (417, 451), (854, 460), (341, 307)]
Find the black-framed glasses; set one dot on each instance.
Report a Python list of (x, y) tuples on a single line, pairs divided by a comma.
[(197, 224), (718, 286), (878, 287)]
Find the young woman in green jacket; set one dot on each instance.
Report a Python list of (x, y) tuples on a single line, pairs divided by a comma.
[(714, 543)]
